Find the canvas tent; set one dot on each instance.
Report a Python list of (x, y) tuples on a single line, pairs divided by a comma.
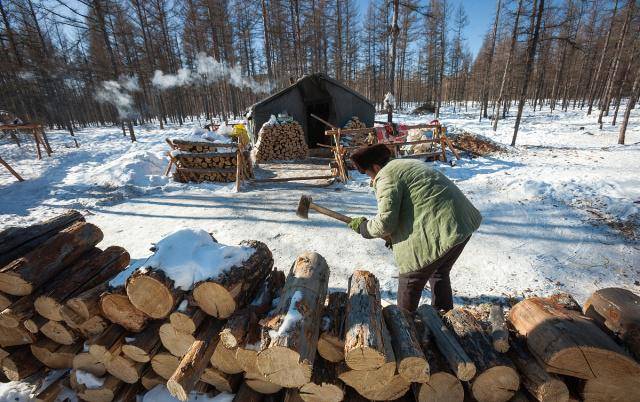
[(317, 94)]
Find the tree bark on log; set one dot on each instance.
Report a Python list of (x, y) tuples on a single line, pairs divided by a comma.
[(448, 345), (499, 331), (23, 275), (364, 343), (15, 337), (86, 362), (234, 288), (18, 241), (324, 385), (6, 300), (187, 321), (443, 385), (497, 379), (176, 342), (116, 307), (164, 364), (107, 344), (20, 364), (412, 364), (541, 385), (58, 332), (54, 355), (294, 323), (569, 343), (51, 392), (246, 394), (617, 310), (144, 344), (195, 361), (97, 270), (331, 341)]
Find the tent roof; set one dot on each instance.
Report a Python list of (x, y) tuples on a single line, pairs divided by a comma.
[(305, 77)]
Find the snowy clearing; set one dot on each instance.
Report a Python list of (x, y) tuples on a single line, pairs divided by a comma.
[(561, 210)]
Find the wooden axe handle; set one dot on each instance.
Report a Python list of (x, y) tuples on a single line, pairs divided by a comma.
[(328, 212)]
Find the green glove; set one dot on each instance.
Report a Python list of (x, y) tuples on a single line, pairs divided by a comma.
[(355, 223)]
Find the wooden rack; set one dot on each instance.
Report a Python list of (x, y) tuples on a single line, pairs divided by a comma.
[(39, 136)]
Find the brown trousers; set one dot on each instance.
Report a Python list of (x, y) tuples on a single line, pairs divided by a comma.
[(411, 284)]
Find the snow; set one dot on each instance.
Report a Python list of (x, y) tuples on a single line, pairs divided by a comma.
[(183, 306), (16, 391), (89, 380), (201, 134), (160, 394), (560, 209), (291, 319), (188, 256)]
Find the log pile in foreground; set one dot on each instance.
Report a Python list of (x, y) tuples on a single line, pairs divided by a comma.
[(280, 141), (231, 323)]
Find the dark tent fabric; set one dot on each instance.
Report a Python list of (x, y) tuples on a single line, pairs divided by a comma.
[(313, 94)]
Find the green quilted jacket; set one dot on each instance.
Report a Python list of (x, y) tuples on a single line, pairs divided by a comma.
[(423, 212)]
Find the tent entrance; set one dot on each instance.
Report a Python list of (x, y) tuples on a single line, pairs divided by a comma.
[(315, 128)]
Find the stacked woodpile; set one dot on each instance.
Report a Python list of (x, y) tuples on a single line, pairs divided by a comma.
[(358, 139), (248, 329), (202, 161), (281, 141)]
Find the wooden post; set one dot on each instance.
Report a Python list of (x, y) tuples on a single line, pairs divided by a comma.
[(10, 169)]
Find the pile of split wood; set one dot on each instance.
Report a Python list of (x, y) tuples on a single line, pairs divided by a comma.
[(200, 161), (281, 141), (249, 329)]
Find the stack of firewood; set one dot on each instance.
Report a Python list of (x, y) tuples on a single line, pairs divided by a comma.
[(194, 146), (281, 141), (248, 329)]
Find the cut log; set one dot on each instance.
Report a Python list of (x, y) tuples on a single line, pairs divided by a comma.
[(292, 395), (34, 323), (195, 361), (243, 321), (294, 323), (24, 309), (95, 271), (617, 310), (18, 241), (152, 292), (92, 327), (51, 392), (324, 385), (20, 364), (116, 307), (164, 364), (568, 343), (176, 342), (6, 300), (150, 379), (107, 344), (129, 392), (54, 355), (103, 393), (223, 382), (412, 364), (247, 394), (234, 288), (59, 332), (124, 369), (224, 359), (86, 362), (391, 390), (499, 331), (22, 276), (448, 345), (331, 341), (497, 380), (187, 321), (15, 337), (541, 385), (141, 347), (364, 345), (83, 305), (615, 389)]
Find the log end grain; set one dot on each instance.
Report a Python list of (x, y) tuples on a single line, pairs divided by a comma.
[(224, 359), (282, 366), (182, 322), (48, 307), (58, 332), (321, 393), (11, 283), (331, 348), (124, 369), (442, 387), (150, 295), (176, 342), (364, 358), (414, 369), (214, 299), (164, 364), (497, 384), (258, 383), (87, 362), (119, 310)]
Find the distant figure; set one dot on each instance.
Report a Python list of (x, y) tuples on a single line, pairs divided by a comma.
[(424, 217)]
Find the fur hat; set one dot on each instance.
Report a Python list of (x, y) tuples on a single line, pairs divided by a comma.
[(365, 157)]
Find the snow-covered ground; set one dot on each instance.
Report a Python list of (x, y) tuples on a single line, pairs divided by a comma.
[(561, 210)]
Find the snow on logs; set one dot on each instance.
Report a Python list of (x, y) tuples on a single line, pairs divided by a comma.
[(221, 278), (496, 379), (294, 324), (568, 343)]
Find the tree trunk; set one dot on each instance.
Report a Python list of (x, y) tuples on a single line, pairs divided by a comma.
[(499, 331), (633, 98), (117, 308), (568, 343), (484, 93), (331, 341), (412, 364), (395, 30), (457, 358), (497, 379), (22, 276), (324, 385), (20, 364), (18, 241), (618, 311), (294, 323), (364, 342), (54, 355)]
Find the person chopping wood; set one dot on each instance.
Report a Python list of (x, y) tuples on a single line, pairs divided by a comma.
[(425, 217)]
